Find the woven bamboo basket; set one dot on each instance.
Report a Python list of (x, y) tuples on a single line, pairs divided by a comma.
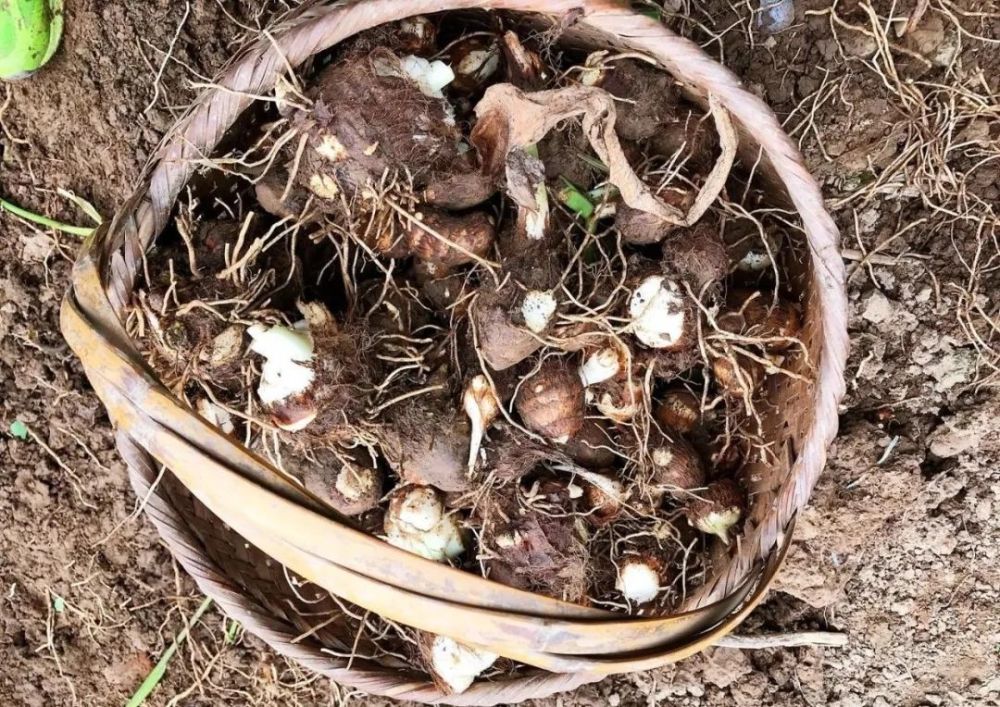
[(270, 554)]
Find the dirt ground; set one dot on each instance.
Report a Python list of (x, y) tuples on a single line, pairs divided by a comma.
[(900, 549)]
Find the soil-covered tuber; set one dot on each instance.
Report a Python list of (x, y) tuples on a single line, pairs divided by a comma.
[(426, 442), (348, 480), (354, 138), (536, 550)]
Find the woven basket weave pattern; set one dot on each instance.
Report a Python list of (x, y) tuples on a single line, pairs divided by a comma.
[(250, 580)]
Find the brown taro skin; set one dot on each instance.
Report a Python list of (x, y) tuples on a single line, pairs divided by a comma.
[(602, 507), (464, 237), (503, 344), (753, 314), (738, 376), (677, 466), (592, 446), (678, 409), (551, 401), (643, 228)]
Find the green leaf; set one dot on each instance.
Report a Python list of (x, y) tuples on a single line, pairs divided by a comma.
[(58, 604), (160, 669), (32, 217), (85, 206), (30, 31), (576, 201), (650, 10), (232, 628), (19, 429)]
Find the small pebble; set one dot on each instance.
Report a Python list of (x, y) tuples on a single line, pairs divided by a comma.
[(775, 15)]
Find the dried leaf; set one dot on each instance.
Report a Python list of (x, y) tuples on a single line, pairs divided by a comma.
[(524, 67), (508, 118), (716, 179), (526, 187)]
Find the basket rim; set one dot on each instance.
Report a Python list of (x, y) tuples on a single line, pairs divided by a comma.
[(307, 30)]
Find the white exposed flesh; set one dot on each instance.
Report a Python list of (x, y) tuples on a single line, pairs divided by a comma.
[(284, 350), (457, 664), (419, 524), (430, 76), (638, 581), (657, 312), (537, 310), (600, 366)]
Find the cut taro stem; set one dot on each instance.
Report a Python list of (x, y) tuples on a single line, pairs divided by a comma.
[(536, 219), (525, 175), (601, 366), (481, 405)]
